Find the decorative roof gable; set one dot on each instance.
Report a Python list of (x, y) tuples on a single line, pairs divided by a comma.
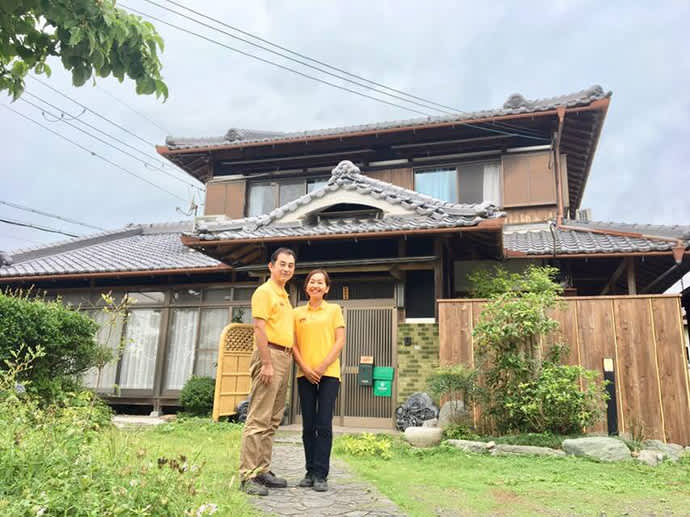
[(399, 209)]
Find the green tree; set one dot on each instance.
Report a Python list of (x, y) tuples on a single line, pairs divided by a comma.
[(525, 390), (92, 38)]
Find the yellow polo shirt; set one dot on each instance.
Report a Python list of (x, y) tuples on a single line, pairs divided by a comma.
[(315, 332), (270, 303)]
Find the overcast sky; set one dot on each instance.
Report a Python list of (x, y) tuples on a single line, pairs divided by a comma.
[(461, 54)]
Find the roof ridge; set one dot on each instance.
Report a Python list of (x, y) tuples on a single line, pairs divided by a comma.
[(69, 245)]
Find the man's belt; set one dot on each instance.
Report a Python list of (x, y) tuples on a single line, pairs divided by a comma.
[(282, 348)]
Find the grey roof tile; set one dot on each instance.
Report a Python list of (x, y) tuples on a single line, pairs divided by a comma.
[(541, 242), (516, 104), (669, 231), (136, 248), (427, 213)]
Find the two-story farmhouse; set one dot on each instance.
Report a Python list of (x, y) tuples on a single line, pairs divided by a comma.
[(398, 212)]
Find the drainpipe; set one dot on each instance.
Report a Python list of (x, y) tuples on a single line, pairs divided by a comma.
[(557, 162)]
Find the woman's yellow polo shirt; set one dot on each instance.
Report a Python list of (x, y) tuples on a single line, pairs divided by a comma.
[(315, 332)]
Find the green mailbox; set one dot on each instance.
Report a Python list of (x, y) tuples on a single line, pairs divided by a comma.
[(365, 377)]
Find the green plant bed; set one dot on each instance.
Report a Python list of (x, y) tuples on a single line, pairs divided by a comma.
[(442, 480)]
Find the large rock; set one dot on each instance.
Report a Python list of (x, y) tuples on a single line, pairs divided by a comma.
[(598, 448), (452, 412), (672, 451), (650, 457), (471, 446), (424, 436), (415, 410), (525, 450)]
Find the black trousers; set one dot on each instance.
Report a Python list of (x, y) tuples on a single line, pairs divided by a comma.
[(317, 401)]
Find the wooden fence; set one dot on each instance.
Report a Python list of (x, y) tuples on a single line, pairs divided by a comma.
[(642, 334)]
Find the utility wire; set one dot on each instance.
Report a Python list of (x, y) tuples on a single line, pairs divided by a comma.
[(93, 153), (46, 214), (403, 96), (122, 128), (267, 61), (66, 121), (36, 227), (148, 119)]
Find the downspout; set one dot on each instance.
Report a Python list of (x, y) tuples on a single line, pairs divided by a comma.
[(557, 162)]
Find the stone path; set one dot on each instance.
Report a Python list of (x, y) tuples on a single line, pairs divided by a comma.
[(347, 496)]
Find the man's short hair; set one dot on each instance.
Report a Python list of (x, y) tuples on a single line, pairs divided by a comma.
[(287, 251)]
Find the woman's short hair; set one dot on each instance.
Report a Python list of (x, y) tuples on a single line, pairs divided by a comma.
[(313, 272)]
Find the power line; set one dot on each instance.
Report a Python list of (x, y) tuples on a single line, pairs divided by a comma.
[(151, 121), (66, 121), (106, 119), (122, 128), (36, 227), (267, 61), (403, 96), (46, 214), (93, 153)]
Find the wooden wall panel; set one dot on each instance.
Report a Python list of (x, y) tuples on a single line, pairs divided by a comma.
[(673, 372), (215, 199), (528, 179), (235, 199), (597, 338), (402, 177), (566, 334), (530, 214), (455, 346), (642, 334), (637, 365), (225, 198)]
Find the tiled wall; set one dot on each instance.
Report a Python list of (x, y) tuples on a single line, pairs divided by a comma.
[(418, 359)]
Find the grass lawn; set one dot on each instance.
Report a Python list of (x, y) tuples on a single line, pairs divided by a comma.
[(446, 481), (212, 448)]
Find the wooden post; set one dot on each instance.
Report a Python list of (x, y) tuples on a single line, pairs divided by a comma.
[(438, 274), (630, 267)]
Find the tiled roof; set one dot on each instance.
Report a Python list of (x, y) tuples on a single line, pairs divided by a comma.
[(420, 212), (134, 248), (540, 241), (676, 231), (515, 105)]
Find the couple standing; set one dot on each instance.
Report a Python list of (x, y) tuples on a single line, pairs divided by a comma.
[(314, 335)]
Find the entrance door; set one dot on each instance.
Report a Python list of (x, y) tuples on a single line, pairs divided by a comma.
[(370, 330)]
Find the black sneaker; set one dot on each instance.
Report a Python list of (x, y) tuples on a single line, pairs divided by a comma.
[(269, 480), (307, 482), (252, 487), (320, 485)]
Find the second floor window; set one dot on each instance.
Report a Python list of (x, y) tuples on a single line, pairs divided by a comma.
[(467, 183), (264, 196)]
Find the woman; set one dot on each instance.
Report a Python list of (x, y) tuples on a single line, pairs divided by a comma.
[(319, 338)]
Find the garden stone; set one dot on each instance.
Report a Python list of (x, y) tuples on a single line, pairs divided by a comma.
[(650, 457), (424, 436), (505, 449), (452, 412), (672, 451), (471, 446), (598, 448), (432, 422)]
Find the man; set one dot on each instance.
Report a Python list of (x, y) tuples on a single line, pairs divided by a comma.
[(269, 370)]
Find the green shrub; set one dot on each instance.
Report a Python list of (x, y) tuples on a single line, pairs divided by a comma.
[(554, 401), (527, 391), (546, 439), (460, 432), (197, 395), (65, 459), (66, 337), (454, 382), (366, 444)]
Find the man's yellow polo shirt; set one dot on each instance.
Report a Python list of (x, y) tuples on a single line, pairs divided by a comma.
[(270, 303), (315, 331)]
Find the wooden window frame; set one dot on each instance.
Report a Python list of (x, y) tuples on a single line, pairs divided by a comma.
[(457, 166)]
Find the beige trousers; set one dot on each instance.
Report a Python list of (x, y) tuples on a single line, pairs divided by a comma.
[(266, 407)]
